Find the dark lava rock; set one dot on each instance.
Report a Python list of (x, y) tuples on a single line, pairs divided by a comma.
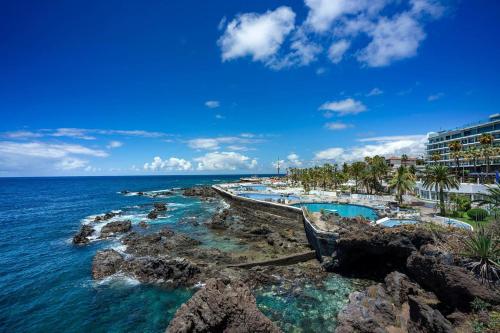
[(200, 191), (221, 306), (163, 242), (400, 305), (372, 251), (115, 227), (261, 230), (143, 224), (82, 236), (424, 318), (454, 285), (160, 206), (152, 215), (105, 217), (106, 263), (218, 220), (173, 272)]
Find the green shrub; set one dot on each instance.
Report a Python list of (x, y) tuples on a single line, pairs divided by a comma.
[(477, 214)]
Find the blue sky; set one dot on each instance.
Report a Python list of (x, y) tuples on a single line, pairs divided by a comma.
[(181, 87)]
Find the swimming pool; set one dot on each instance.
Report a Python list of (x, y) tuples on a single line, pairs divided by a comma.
[(344, 210), (254, 187), (396, 222), (268, 196)]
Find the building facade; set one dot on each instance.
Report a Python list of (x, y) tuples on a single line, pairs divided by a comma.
[(468, 136), (396, 161)]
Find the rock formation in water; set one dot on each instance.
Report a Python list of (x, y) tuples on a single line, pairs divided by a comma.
[(112, 228), (82, 237), (221, 306)]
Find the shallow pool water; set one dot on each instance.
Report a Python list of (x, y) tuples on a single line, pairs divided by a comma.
[(268, 196), (344, 210)]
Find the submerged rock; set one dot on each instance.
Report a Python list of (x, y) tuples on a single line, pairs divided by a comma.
[(143, 224), (152, 215), (221, 306), (115, 227), (82, 236), (160, 206), (105, 217)]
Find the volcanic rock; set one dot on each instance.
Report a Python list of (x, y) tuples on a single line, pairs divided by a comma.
[(82, 236), (115, 227), (221, 306)]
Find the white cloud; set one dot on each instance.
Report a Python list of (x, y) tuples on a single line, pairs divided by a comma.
[(22, 135), (215, 143), (41, 157), (225, 161), (212, 104), (375, 92), (412, 145), (78, 133), (294, 160), (335, 126), (257, 35), (395, 30), (344, 107), (114, 144), (219, 116), (435, 97), (392, 39), (337, 50), (170, 164), (329, 154), (71, 163)]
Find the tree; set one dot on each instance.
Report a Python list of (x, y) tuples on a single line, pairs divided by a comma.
[(404, 159), (491, 199), (455, 148), (438, 177), (435, 157), (486, 140), (474, 155), (356, 171), (402, 182)]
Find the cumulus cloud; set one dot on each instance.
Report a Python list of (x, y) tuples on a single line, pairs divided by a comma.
[(335, 126), (394, 31), (343, 107), (225, 161), (329, 154), (256, 35), (170, 164), (412, 145), (337, 50), (114, 144), (294, 160), (71, 163), (212, 104), (392, 39)]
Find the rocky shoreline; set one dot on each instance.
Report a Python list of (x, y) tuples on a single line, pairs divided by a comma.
[(417, 287)]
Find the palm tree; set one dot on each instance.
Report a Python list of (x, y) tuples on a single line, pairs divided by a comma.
[(486, 140), (474, 155), (491, 199), (438, 177), (402, 182), (404, 159), (435, 157), (455, 148), (356, 171)]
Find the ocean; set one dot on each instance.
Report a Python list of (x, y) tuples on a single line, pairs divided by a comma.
[(46, 283)]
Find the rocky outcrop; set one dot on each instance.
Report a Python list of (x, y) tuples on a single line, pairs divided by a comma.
[(144, 224), (454, 285), (218, 220), (105, 217), (173, 272), (82, 236), (221, 306), (106, 263), (398, 305), (200, 191), (160, 206), (164, 242), (115, 227), (373, 251), (152, 215)]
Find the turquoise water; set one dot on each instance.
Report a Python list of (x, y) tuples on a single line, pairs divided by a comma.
[(268, 196), (344, 210), (46, 283), (397, 222)]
